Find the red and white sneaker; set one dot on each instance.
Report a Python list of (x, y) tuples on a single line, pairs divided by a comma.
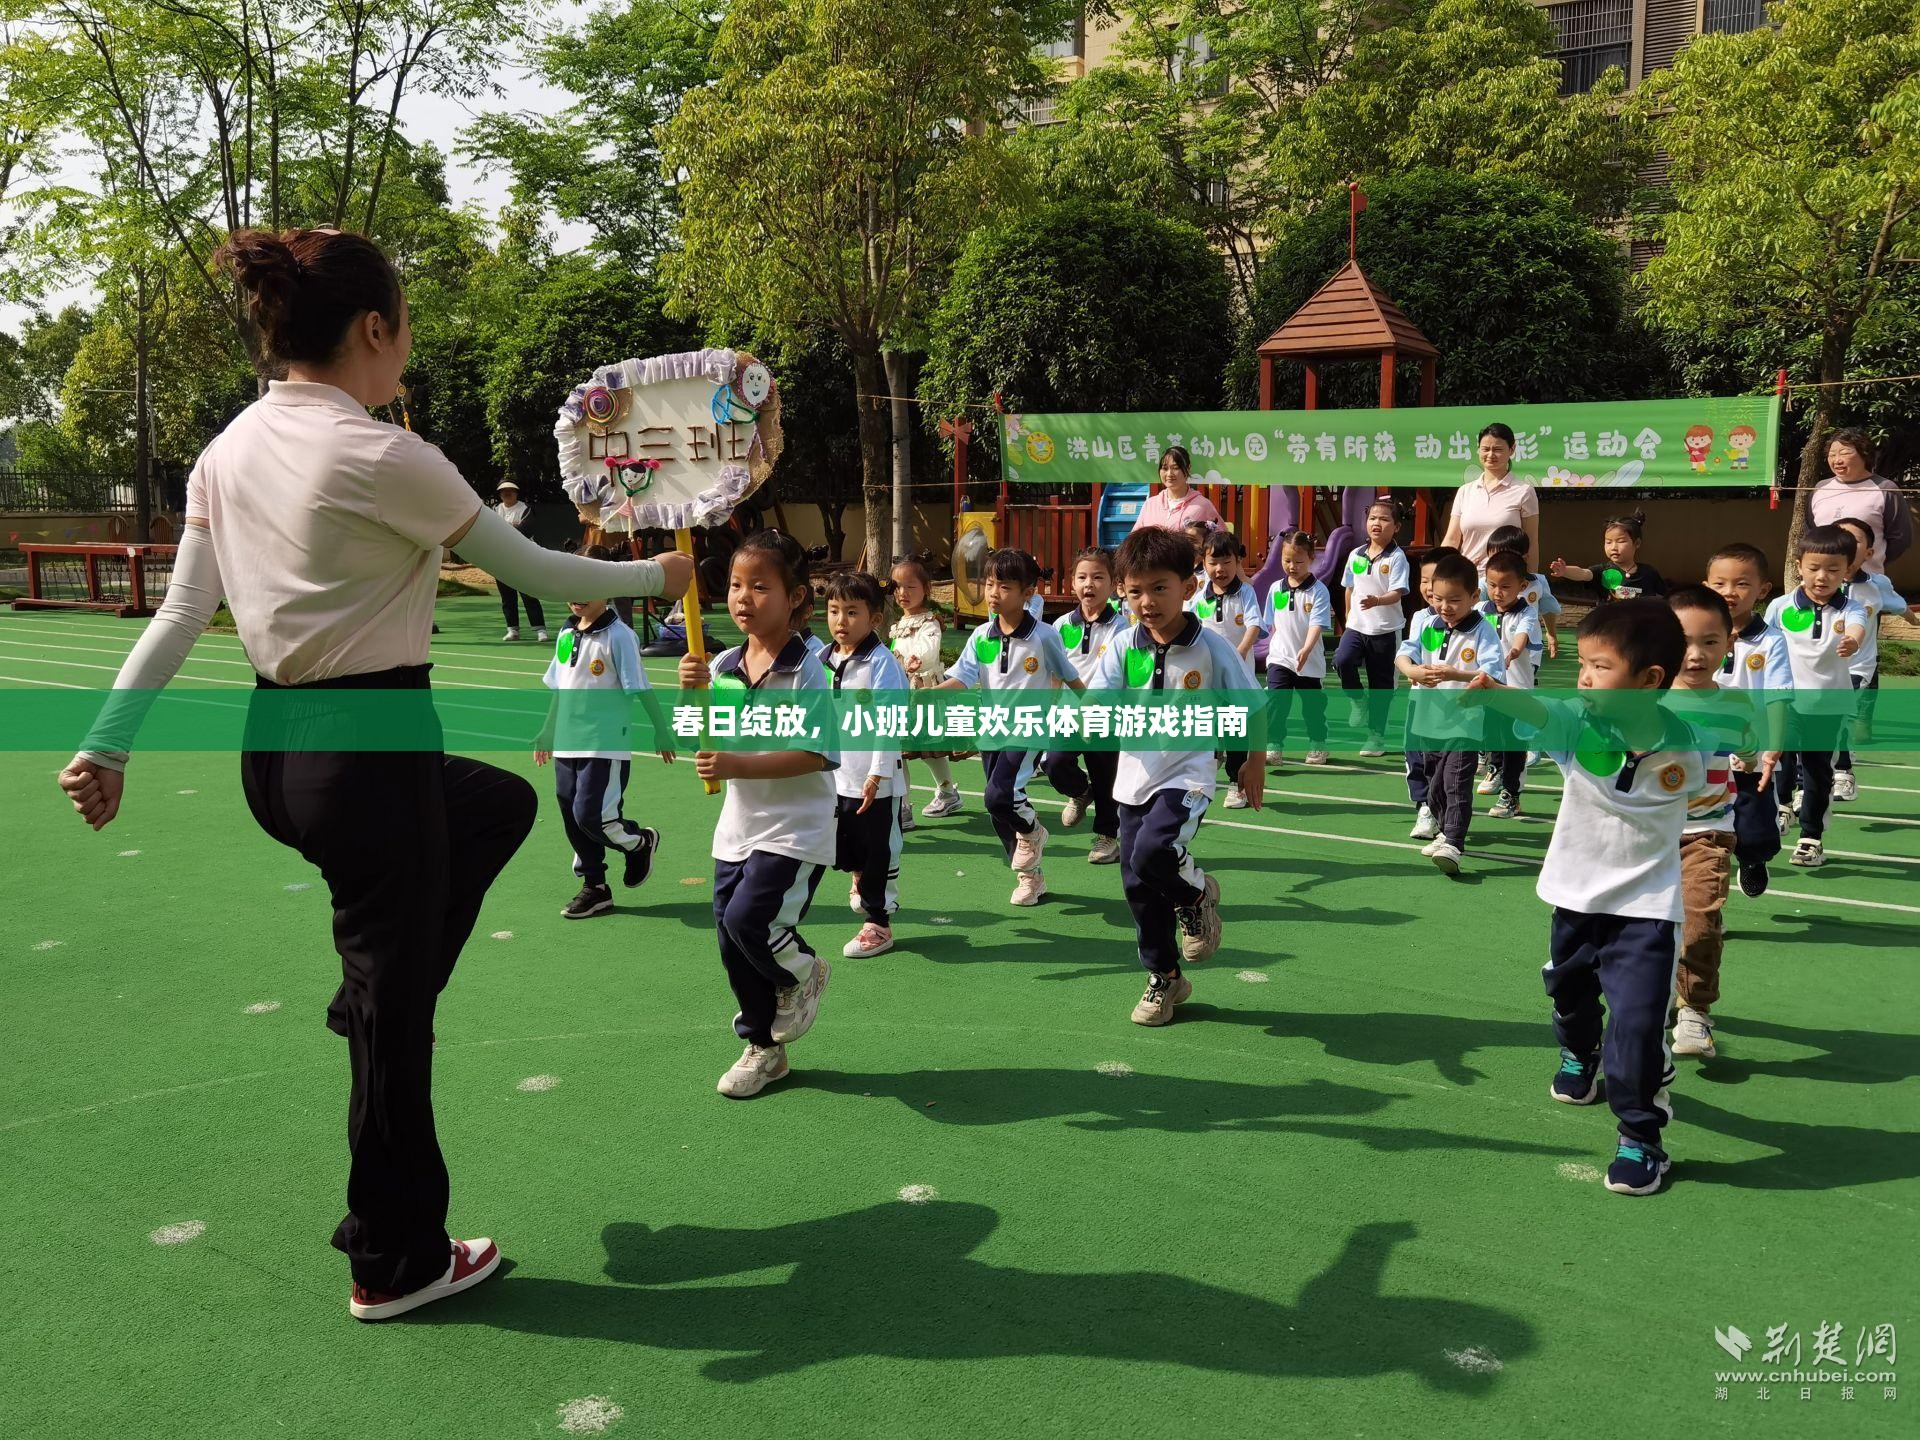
[(472, 1262)]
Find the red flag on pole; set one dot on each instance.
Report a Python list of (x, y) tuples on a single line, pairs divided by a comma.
[(1356, 202)]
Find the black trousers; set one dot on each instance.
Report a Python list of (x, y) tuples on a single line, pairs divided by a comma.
[(1063, 772), (1756, 826), (1602, 963), (758, 904), (510, 607), (1862, 723), (1008, 772), (1313, 701), (591, 793), (1450, 791), (1812, 772), (1158, 873), (408, 843), (1375, 652), (1512, 765), (868, 848)]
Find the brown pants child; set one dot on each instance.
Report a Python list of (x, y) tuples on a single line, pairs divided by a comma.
[(1706, 864)]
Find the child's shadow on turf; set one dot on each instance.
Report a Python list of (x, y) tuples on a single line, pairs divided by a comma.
[(1132, 1100), (1820, 930), (1386, 1038), (1807, 1157), (899, 1281)]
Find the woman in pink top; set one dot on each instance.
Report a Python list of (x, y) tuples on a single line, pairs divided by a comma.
[(1176, 503), (1854, 492), (1494, 500)]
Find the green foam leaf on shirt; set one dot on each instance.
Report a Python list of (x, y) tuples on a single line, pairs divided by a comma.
[(1611, 578), (1360, 566), (565, 650), (729, 682), (1139, 667), (1281, 597), (1794, 618), (1072, 633), (1432, 638), (1596, 756), (1206, 609), (986, 649)]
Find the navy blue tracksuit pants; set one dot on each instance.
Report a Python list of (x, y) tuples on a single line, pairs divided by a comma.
[(1158, 873), (1375, 652), (1812, 771), (758, 904), (1449, 786), (1313, 702), (1629, 964), (1063, 771), (868, 847), (1756, 825), (590, 794), (1008, 772)]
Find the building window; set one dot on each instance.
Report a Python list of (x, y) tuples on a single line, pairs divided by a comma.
[(1194, 57), (1594, 35), (1211, 193), (1040, 110), (1732, 17), (1070, 45)]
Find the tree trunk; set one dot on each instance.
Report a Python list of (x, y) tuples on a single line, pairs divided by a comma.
[(869, 377), (899, 382), (1833, 367), (142, 419)]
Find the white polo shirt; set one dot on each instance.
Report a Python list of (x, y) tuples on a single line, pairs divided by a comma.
[(1085, 641), (1031, 658), (1616, 841), (1291, 613), (1875, 596), (872, 666), (1231, 612), (1522, 623), (1198, 660), (604, 656), (1539, 594), (1813, 634), (1758, 659), (1471, 643), (794, 816), (1365, 576), (327, 524)]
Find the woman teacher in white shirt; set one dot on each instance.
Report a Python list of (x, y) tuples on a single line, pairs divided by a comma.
[(323, 529), (1494, 500)]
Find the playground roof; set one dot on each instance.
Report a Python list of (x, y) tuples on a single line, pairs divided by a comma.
[(1349, 315)]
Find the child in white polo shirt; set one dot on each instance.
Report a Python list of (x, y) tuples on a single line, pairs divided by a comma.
[(870, 783), (776, 835), (1875, 595), (596, 652), (1823, 630), (1505, 582), (1014, 651), (1300, 613), (1757, 664), (1230, 607), (1612, 871), (1425, 826), (1457, 645), (1085, 633), (1377, 580), (1164, 793)]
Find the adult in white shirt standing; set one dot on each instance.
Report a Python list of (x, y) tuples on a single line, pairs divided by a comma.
[(323, 530), (1482, 506), (517, 513)]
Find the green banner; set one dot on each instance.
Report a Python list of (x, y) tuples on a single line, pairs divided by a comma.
[(189, 718), (1623, 445)]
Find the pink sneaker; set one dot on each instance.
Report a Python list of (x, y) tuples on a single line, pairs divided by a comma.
[(472, 1262), (872, 940), (1028, 848)]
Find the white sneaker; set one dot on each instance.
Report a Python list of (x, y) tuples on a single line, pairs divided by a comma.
[(471, 1262), (797, 1006), (1534, 757), (1028, 848), (1317, 757), (1199, 924), (757, 1068), (872, 940), (1785, 817), (1845, 787), (1105, 851), (1507, 807), (1693, 1034), (1236, 798), (1425, 826), (906, 814), (1489, 784), (947, 800), (1445, 856), (509, 636), (1810, 854), (1074, 811), (1356, 714), (543, 637), (853, 896), (1431, 845), (1376, 744), (1030, 888)]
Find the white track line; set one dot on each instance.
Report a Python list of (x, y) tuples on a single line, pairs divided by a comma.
[(56, 684)]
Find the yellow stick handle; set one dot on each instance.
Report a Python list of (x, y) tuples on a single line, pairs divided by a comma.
[(690, 616)]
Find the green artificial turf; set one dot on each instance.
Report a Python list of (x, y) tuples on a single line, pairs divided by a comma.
[(1333, 1198)]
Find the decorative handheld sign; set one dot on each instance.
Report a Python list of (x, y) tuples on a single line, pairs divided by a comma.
[(673, 442)]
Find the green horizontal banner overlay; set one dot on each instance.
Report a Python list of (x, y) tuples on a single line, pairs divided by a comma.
[(183, 718), (1710, 441)]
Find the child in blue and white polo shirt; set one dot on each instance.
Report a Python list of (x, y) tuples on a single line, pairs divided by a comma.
[(1085, 633), (1876, 596), (1013, 651), (1300, 610), (1377, 580), (1505, 581), (1612, 871), (1824, 630), (1163, 793), (1230, 607), (1757, 662), (1450, 652)]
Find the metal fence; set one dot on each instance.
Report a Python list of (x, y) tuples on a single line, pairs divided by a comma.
[(51, 490)]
